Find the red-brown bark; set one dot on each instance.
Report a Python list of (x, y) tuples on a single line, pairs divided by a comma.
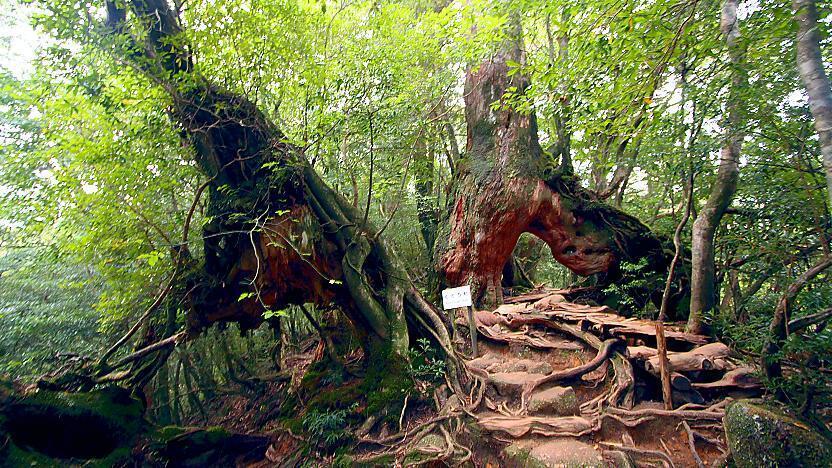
[(506, 185)]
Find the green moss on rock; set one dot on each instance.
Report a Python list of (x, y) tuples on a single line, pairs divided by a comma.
[(519, 455), (762, 435)]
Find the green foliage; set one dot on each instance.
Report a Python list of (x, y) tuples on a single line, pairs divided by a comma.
[(328, 429), (804, 352), (46, 309), (630, 295), (425, 363)]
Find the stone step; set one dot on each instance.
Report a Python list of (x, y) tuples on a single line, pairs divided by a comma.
[(510, 384), (559, 401), (557, 452), (493, 363)]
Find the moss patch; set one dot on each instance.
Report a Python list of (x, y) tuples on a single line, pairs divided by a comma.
[(333, 404), (75, 425), (767, 436)]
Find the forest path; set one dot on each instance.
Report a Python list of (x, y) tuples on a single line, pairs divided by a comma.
[(568, 384)]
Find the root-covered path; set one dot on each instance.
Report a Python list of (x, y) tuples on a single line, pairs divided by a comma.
[(574, 385)]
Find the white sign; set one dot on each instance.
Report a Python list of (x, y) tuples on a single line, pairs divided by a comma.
[(456, 297)]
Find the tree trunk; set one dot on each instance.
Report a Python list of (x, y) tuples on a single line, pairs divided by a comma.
[(505, 186), (703, 291), (813, 75), (423, 172), (562, 150), (278, 233)]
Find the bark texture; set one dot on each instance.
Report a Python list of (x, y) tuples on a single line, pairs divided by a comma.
[(703, 269), (505, 185), (813, 75)]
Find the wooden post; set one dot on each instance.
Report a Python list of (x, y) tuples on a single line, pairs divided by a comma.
[(472, 329), (664, 366)]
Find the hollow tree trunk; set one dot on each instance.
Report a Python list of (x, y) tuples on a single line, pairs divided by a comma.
[(703, 288), (505, 186), (813, 75)]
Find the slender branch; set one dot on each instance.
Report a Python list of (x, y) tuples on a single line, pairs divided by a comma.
[(799, 324)]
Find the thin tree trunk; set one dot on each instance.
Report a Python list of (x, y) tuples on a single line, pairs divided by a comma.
[(161, 396), (426, 209), (562, 150), (703, 289), (778, 329), (677, 245), (732, 293), (813, 75)]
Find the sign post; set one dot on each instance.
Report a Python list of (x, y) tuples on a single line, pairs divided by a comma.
[(455, 298)]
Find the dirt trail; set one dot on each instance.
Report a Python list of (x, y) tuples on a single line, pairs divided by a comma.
[(574, 385)]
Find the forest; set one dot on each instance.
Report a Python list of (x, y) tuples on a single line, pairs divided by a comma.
[(228, 229)]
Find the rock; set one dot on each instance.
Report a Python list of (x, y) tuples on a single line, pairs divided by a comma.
[(552, 453), (509, 383), (484, 362), (560, 401), (619, 459), (548, 301), (453, 404), (488, 318), (527, 365), (762, 435)]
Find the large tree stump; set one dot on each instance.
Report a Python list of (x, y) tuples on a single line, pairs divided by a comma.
[(507, 185)]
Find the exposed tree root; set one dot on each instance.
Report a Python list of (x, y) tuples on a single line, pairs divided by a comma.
[(604, 352), (692, 445), (641, 454)]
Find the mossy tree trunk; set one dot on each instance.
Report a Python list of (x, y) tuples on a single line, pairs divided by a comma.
[(278, 234), (506, 185)]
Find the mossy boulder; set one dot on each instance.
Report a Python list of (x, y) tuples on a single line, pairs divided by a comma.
[(74, 425), (763, 435), (560, 401), (425, 450)]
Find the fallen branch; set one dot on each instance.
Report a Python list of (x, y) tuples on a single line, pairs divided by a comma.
[(799, 324), (169, 341)]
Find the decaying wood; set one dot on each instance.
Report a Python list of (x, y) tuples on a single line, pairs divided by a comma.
[(712, 356), (742, 378)]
